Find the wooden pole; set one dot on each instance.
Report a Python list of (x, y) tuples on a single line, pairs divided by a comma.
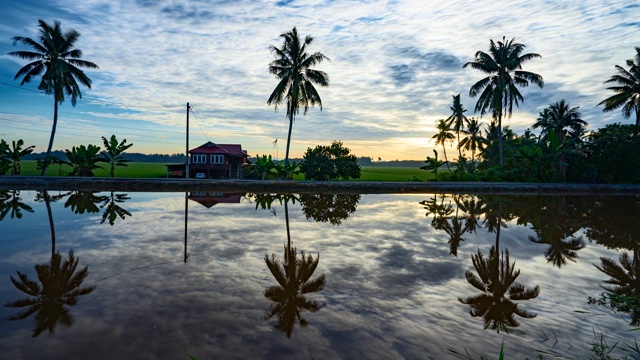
[(186, 173)]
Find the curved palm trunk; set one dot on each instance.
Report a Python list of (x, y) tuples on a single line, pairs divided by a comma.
[(637, 115), (445, 158), (53, 133), (498, 229), (286, 217), (291, 119), (51, 226), (500, 145)]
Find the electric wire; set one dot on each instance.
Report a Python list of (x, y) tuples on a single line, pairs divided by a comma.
[(198, 234)]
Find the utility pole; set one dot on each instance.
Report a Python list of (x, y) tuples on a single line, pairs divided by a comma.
[(186, 173)]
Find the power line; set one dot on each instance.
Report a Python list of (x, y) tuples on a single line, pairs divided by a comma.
[(194, 116)]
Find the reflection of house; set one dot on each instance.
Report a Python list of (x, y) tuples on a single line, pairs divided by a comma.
[(209, 199), (213, 161)]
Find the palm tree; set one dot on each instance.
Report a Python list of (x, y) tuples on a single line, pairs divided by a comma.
[(12, 204), (474, 140), (292, 67), (85, 201), (58, 287), (499, 290), (443, 136), (293, 275), (56, 57), (458, 119), (562, 119), (113, 210), (627, 90), (112, 153), (499, 91), (14, 154)]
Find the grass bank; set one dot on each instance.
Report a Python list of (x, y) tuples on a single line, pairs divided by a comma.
[(145, 170)]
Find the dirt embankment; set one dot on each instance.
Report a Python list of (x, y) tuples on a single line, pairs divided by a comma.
[(355, 187)]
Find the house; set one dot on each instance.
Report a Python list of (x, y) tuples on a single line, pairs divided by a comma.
[(217, 161), (209, 199)]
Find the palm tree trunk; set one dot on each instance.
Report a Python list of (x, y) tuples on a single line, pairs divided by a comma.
[(445, 158), (498, 228), (637, 115), (53, 133), (500, 146), (291, 118), (286, 217)]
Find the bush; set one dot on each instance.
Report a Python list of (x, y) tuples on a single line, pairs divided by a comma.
[(330, 163)]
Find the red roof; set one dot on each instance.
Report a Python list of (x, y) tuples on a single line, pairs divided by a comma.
[(225, 149)]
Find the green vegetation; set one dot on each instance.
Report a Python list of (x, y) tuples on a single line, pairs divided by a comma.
[(56, 57), (627, 90), (113, 153), (330, 163)]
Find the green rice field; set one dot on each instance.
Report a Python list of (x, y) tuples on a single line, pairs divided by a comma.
[(158, 170)]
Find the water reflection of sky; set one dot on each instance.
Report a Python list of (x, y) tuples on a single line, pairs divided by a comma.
[(391, 291)]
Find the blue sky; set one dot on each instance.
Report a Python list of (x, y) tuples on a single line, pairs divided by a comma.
[(394, 68)]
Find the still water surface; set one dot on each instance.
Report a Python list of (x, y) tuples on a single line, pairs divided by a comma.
[(383, 276)]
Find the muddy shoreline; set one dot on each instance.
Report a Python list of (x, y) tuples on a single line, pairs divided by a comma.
[(352, 187)]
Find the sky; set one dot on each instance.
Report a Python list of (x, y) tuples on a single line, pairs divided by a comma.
[(394, 67)]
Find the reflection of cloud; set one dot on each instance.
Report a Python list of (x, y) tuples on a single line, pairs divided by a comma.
[(391, 288)]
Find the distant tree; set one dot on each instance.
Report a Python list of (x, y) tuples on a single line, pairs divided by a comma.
[(332, 208), (564, 120), (613, 152), (84, 159), (293, 68), (444, 136), (330, 163), (627, 91), (56, 57), (14, 154), (458, 119), (499, 91), (113, 153)]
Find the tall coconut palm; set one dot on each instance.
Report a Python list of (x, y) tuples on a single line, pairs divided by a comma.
[(458, 119), (112, 153), (443, 136), (57, 288), (474, 140), (627, 91), (499, 91), (562, 119), (56, 57), (293, 68)]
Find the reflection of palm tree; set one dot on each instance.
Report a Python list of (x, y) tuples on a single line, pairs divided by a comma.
[(113, 210), (499, 291), (12, 204), (560, 249), (294, 282), (59, 287), (625, 278), (84, 201)]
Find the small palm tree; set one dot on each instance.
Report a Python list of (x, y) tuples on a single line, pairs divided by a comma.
[(624, 278), (474, 140), (56, 57), (113, 210), (499, 91), (627, 91), (14, 154), (293, 68), (58, 287), (12, 204), (443, 136), (113, 153), (84, 159), (562, 119), (458, 119)]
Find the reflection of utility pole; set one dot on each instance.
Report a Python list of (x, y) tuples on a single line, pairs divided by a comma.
[(186, 173), (186, 216)]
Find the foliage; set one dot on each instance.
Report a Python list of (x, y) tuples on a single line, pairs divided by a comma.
[(443, 136), (332, 208), (627, 89), (58, 61), (11, 203), (292, 67), (433, 164), (45, 162), (112, 209), (10, 156), (113, 153), (562, 119), (613, 152), (84, 159), (330, 163)]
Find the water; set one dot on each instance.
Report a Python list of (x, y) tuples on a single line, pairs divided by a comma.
[(389, 282)]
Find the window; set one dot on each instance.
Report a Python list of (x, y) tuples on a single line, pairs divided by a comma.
[(199, 158), (217, 159)]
